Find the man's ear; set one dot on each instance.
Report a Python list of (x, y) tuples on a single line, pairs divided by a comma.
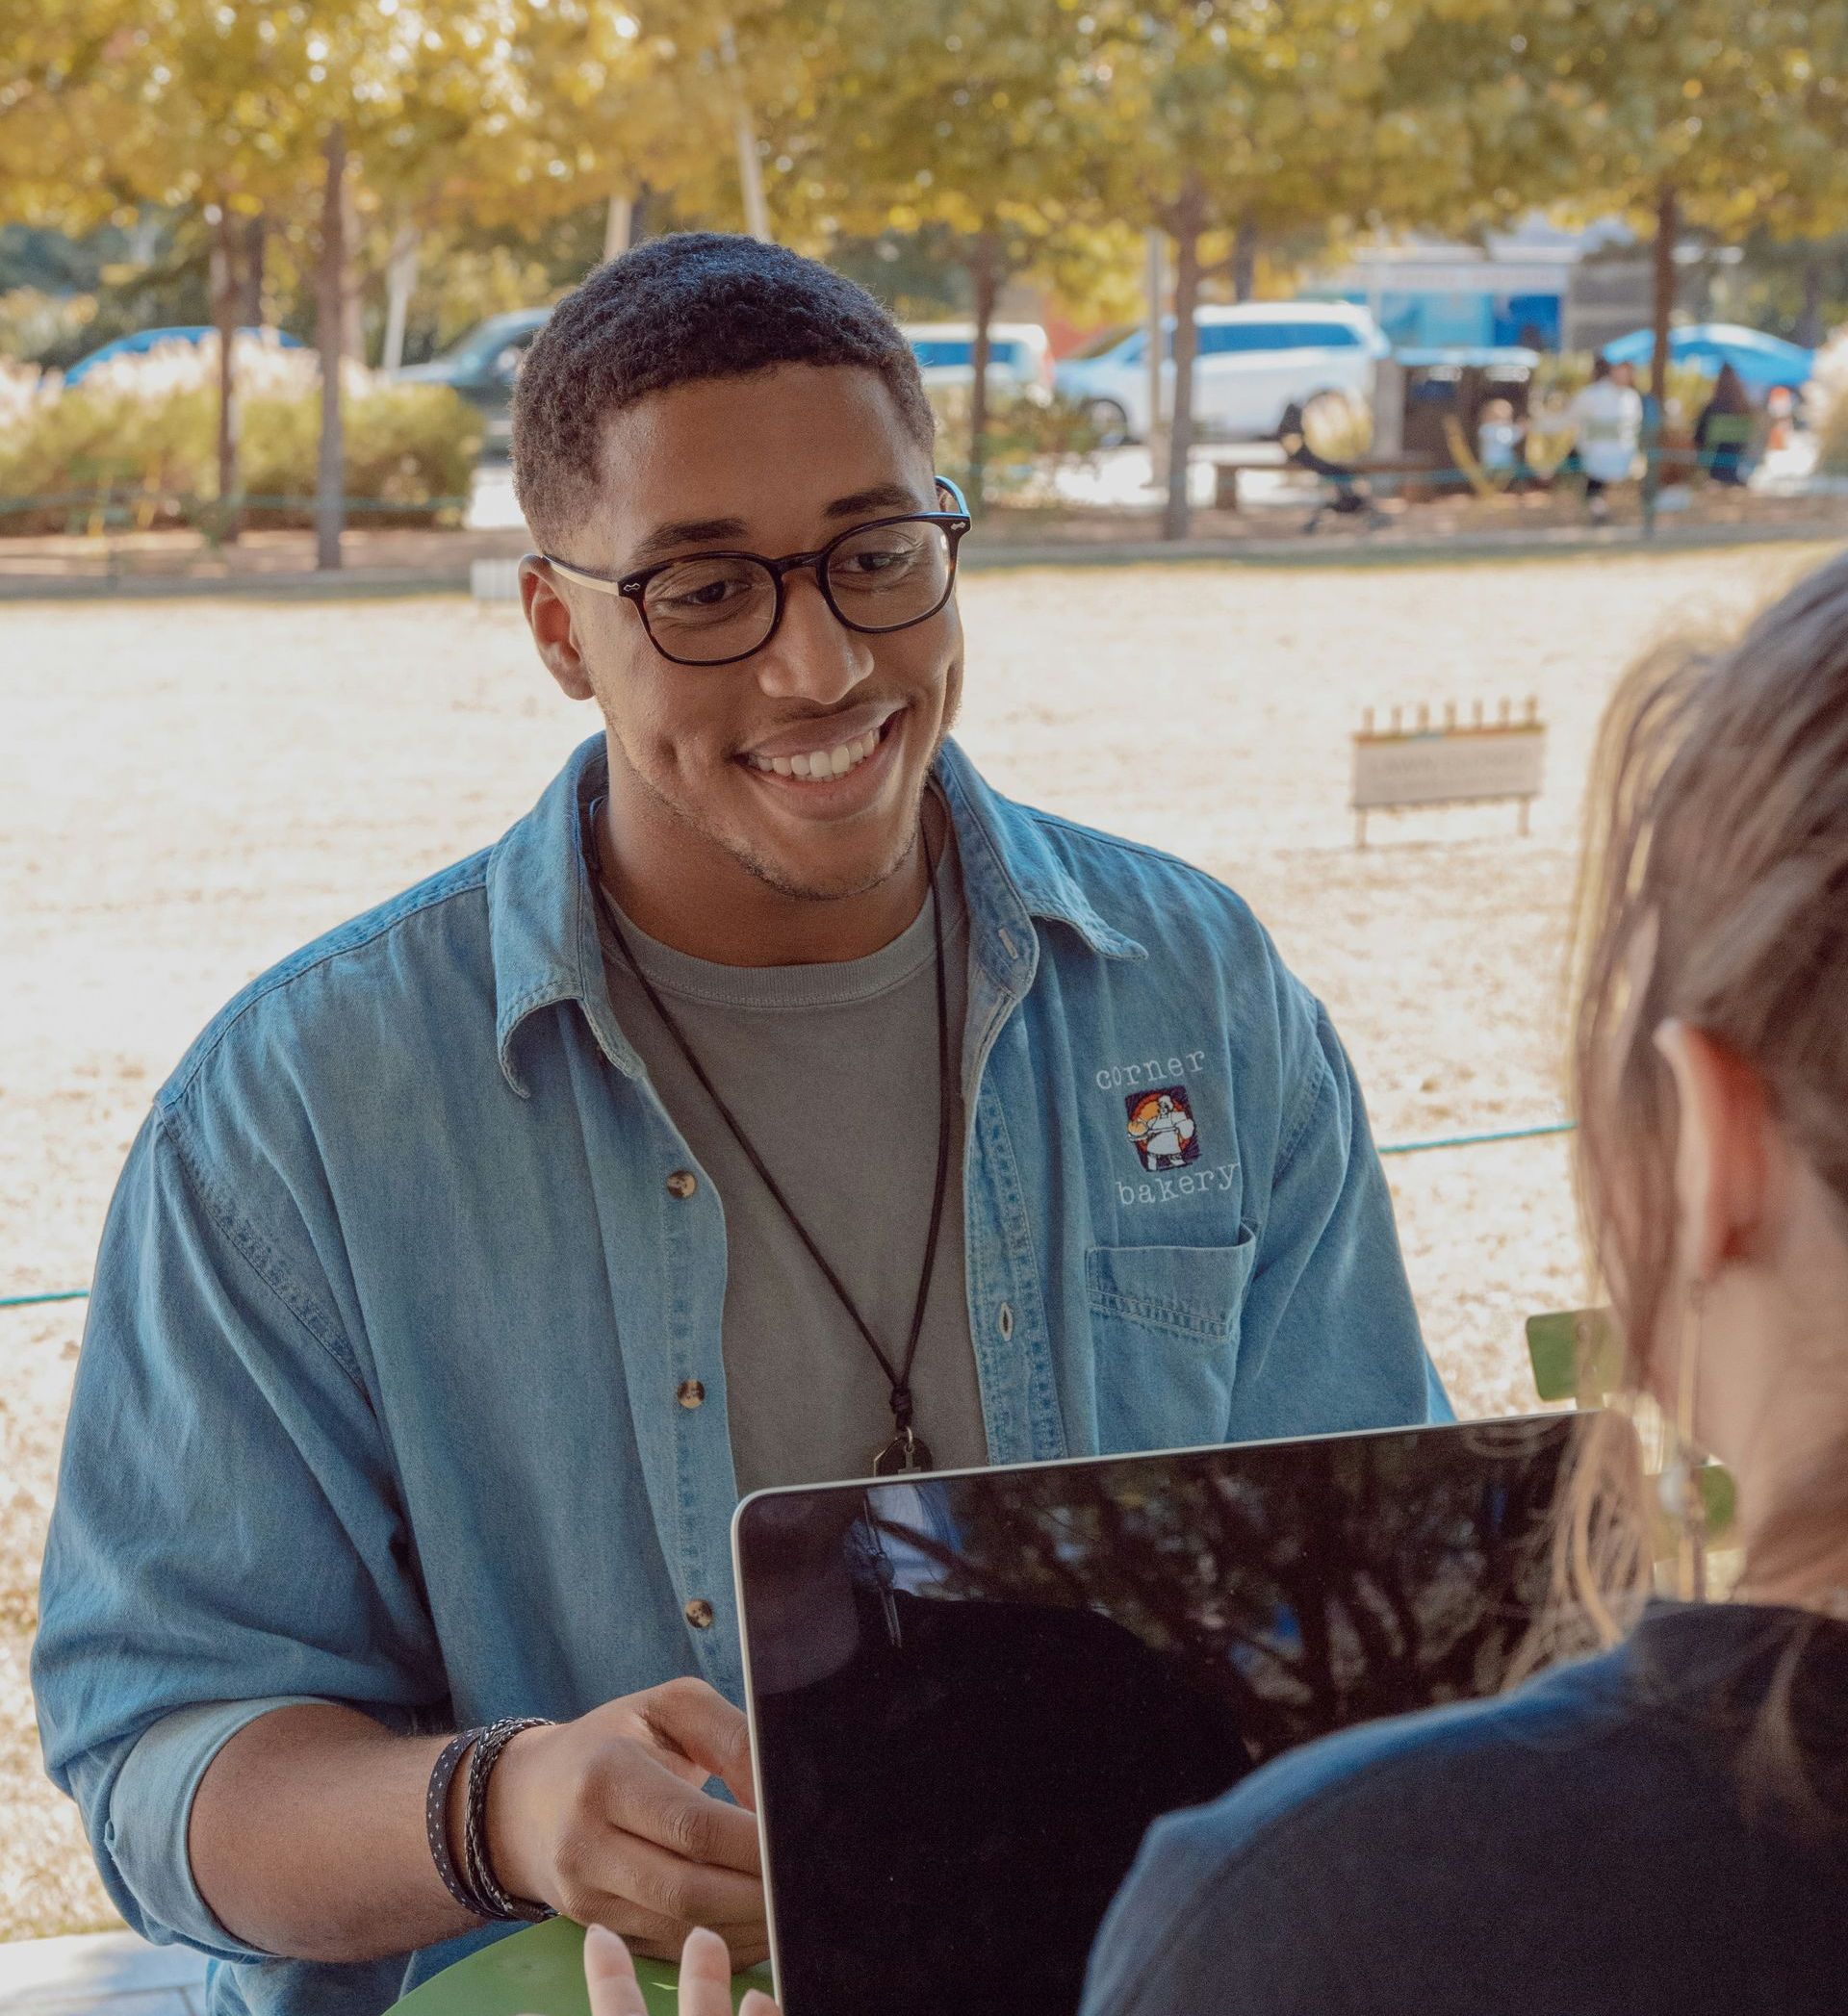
[(1726, 1156), (548, 618)]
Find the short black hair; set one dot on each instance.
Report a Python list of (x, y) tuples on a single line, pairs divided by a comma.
[(674, 310)]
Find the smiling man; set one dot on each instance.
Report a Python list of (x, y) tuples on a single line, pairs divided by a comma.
[(774, 1103)]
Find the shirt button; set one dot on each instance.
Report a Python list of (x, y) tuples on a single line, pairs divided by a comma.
[(699, 1614), (682, 1184), (690, 1392), (1004, 1317)]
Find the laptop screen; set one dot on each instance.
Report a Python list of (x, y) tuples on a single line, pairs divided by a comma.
[(971, 1694)]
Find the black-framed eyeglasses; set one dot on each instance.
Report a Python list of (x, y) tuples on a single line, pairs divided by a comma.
[(716, 608)]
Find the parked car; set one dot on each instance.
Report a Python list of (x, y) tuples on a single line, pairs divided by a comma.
[(1253, 363), (1019, 357), (482, 366), (145, 339)]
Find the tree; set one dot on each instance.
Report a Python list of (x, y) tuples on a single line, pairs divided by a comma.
[(1238, 117), (970, 116)]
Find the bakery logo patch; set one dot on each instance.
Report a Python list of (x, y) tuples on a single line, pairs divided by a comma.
[(1160, 1126)]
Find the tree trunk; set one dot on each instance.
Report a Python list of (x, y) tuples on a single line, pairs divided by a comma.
[(618, 225), (1190, 214), (226, 294), (1154, 288), (1245, 262), (255, 232), (352, 327), (985, 270), (1656, 421), (1810, 330), (1667, 229), (401, 278), (756, 217), (330, 478)]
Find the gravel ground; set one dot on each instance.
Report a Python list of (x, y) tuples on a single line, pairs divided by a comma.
[(193, 789)]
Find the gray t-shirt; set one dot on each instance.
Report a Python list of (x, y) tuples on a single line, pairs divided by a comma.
[(832, 1072)]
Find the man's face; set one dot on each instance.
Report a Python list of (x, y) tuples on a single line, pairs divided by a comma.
[(774, 464)]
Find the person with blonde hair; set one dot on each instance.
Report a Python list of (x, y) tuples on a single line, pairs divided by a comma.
[(1663, 1826)]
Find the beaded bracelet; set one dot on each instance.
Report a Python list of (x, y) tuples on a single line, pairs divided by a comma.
[(436, 1822), (477, 1871)]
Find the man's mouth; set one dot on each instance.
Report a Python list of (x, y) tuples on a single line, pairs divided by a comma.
[(828, 759)]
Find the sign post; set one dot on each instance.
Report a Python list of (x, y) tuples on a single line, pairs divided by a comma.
[(1452, 763)]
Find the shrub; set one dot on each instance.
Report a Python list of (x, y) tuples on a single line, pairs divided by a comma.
[(1031, 436), (1829, 398), (139, 434)]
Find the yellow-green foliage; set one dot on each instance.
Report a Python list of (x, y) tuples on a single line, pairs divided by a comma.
[(1829, 394), (141, 437)]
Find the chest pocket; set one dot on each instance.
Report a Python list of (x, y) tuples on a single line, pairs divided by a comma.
[(1165, 1338)]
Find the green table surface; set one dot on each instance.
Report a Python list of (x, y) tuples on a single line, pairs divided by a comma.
[(540, 1972)]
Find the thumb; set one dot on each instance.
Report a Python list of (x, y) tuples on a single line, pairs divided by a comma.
[(702, 1725)]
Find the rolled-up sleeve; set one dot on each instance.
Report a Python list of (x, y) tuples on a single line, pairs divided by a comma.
[(1330, 1338), (227, 1537)]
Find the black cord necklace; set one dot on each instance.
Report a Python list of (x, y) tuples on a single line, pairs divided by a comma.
[(908, 1450)]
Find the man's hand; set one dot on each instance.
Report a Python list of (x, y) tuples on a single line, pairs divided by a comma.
[(705, 1980), (606, 1820)]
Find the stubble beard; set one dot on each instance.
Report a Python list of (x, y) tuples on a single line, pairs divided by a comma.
[(766, 871)]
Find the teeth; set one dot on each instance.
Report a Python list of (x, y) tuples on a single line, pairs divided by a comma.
[(821, 762)]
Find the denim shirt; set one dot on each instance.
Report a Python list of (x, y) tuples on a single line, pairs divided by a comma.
[(377, 1396)]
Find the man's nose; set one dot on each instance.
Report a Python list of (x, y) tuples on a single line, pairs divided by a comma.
[(813, 656)]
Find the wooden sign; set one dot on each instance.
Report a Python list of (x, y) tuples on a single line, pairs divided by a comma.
[(1423, 763)]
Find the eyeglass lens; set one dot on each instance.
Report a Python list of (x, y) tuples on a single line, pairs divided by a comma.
[(881, 578)]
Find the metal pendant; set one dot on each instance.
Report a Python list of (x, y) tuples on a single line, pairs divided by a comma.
[(908, 1450)]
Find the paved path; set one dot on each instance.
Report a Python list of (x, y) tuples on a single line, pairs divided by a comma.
[(102, 1974)]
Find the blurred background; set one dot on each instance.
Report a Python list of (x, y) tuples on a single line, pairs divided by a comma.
[(1087, 213)]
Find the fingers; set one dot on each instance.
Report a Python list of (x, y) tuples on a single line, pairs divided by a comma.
[(698, 1720), (647, 1800), (610, 1974), (758, 2003), (684, 1893), (705, 1980)]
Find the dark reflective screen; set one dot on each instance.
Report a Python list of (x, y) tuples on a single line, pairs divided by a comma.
[(973, 1694)]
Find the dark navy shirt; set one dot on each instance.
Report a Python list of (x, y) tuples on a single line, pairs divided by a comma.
[(1581, 1846)]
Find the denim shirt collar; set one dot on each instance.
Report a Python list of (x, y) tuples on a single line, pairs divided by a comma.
[(543, 926)]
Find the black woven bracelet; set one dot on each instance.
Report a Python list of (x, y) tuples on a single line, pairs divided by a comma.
[(436, 1822), (477, 1872)]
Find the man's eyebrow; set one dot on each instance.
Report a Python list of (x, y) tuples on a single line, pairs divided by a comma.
[(882, 497), (707, 531), (685, 531)]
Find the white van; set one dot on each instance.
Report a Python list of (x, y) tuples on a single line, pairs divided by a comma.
[(1019, 356), (1252, 363)]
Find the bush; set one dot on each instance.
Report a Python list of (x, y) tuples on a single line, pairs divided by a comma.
[(140, 435), (1031, 436), (1829, 398)]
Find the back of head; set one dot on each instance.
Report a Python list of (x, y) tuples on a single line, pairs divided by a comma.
[(1730, 394), (1717, 896), (674, 311), (1601, 369)]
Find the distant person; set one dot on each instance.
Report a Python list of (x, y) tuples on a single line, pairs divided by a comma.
[(1498, 442), (1607, 426), (1661, 1830), (755, 1110), (1723, 433)]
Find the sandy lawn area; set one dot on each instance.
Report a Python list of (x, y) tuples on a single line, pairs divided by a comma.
[(191, 789)]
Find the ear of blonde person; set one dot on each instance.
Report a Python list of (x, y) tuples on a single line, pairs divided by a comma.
[(706, 1978)]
